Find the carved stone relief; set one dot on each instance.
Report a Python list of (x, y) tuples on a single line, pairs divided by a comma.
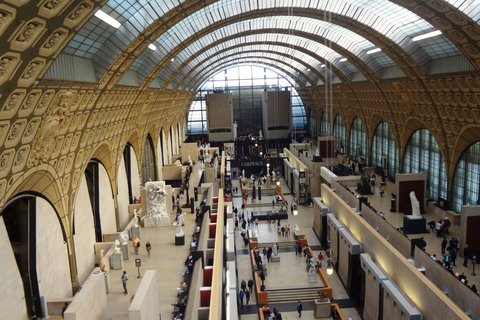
[(31, 130), (28, 32), (83, 120), (31, 72), (53, 42), (50, 8), (66, 183), (7, 14), (75, 179), (57, 146), (20, 159), (52, 120), (6, 160), (78, 160), (63, 128), (29, 103), (4, 126), (78, 14), (69, 163), (66, 143), (60, 167), (15, 133), (93, 98), (84, 140), (44, 102), (12, 104)]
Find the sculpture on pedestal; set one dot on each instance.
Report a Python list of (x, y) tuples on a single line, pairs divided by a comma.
[(135, 215), (415, 205), (123, 238), (102, 262), (317, 152), (117, 246), (156, 208), (235, 126), (260, 135)]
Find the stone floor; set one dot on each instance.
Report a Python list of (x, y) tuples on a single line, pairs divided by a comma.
[(168, 259)]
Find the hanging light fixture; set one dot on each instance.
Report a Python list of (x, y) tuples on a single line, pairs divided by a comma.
[(329, 267)]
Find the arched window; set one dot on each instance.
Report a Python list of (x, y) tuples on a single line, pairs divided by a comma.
[(466, 180), (384, 150), (339, 131), (325, 130), (148, 161), (358, 141), (422, 154)]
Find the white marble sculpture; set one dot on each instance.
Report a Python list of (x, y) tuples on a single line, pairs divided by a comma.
[(243, 173), (415, 206), (179, 231), (273, 175), (235, 126), (190, 162), (260, 135), (275, 249), (317, 152), (135, 215), (123, 238), (117, 246), (156, 205), (102, 262)]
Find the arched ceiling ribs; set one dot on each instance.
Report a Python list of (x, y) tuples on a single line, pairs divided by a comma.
[(245, 37), (365, 70), (252, 47), (388, 46), (287, 71), (258, 54), (457, 26)]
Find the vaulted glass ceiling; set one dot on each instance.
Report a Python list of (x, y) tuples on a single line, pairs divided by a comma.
[(332, 29)]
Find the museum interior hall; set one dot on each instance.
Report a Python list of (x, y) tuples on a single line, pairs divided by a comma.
[(239, 159)]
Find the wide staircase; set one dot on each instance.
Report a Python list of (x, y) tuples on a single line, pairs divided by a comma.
[(292, 295)]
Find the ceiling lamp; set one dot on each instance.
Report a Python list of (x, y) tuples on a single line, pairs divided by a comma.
[(329, 267), (427, 35), (108, 19), (374, 50)]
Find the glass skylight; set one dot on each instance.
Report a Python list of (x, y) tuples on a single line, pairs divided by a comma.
[(98, 41)]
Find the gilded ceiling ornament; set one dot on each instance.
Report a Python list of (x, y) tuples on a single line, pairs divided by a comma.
[(29, 32), (12, 102), (79, 11), (5, 65), (52, 120)]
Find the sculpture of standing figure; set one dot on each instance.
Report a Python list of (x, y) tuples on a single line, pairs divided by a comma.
[(415, 205), (135, 215), (260, 135), (123, 238), (235, 126), (102, 262)]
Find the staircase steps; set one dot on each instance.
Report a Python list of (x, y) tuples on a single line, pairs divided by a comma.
[(292, 295)]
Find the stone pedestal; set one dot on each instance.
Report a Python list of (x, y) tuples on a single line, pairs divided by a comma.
[(163, 222), (312, 277), (116, 261), (275, 259), (179, 240), (322, 309), (124, 250), (135, 232), (269, 181), (414, 225)]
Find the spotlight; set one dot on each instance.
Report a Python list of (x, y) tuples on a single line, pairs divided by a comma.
[(329, 267)]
